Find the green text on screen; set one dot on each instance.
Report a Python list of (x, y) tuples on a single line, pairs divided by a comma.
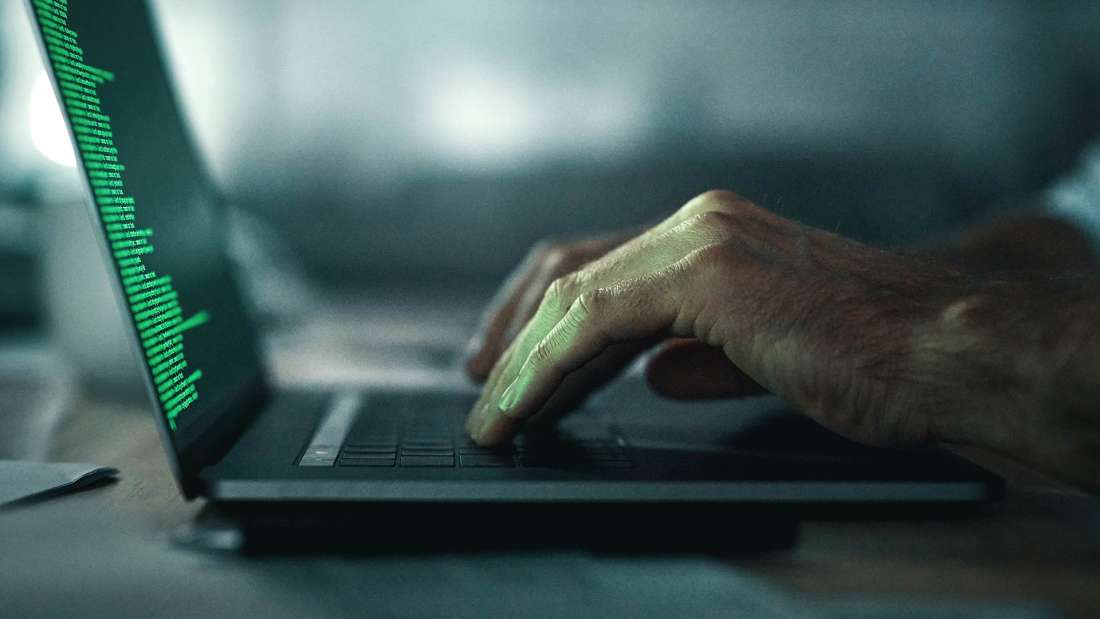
[(172, 301)]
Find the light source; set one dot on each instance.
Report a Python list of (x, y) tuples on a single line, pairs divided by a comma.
[(48, 132)]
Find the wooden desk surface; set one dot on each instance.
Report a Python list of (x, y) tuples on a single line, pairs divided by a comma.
[(1042, 543)]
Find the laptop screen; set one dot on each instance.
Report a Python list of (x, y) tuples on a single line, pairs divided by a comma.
[(160, 221)]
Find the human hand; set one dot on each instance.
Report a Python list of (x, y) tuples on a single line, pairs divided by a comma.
[(680, 368), (517, 300), (851, 335)]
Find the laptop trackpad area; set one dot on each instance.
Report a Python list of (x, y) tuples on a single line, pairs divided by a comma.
[(759, 429)]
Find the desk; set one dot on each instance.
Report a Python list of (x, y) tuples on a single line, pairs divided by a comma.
[(109, 548)]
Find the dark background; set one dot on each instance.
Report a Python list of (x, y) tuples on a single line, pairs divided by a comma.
[(390, 142)]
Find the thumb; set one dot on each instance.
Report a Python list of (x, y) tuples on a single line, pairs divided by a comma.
[(687, 369)]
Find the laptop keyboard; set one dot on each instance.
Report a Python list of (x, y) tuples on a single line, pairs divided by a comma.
[(424, 430)]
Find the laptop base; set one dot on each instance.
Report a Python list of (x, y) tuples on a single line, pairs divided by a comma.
[(291, 528), (782, 458)]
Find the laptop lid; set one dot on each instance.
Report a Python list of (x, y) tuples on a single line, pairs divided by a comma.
[(161, 226)]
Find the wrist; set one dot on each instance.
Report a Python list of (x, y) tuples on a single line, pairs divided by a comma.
[(1067, 425), (1022, 359), (984, 376)]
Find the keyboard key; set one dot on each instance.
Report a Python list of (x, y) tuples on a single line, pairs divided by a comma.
[(428, 461), (484, 451), (346, 455), (405, 451), (322, 455), (369, 461), (486, 460), (355, 450), (316, 461)]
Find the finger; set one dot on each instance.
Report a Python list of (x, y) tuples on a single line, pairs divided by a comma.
[(703, 221), (519, 298), (638, 258), (578, 385), (508, 364), (645, 260), (626, 312), (489, 340), (687, 369), (559, 261), (473, 421), (531, 297), (527, 302), (484, 347)]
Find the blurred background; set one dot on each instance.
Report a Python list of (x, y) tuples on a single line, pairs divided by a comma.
[(387, 144)]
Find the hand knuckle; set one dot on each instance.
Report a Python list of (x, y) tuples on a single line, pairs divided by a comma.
[(693, 206), (720, 200), (559, 294), (709, 258), (591, 302), (712, 222), (553, 291)]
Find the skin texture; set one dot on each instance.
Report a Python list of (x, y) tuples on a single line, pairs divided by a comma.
[(883, 347)]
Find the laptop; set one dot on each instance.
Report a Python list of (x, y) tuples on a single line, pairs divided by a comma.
[(234, 437)]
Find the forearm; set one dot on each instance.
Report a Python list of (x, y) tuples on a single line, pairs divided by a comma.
[(885, 348), (1027, 349), (1069, 423)]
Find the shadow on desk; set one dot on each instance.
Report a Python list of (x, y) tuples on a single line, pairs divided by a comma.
[(319, 528)]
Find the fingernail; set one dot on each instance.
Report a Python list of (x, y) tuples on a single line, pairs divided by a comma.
[(509, 397)]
